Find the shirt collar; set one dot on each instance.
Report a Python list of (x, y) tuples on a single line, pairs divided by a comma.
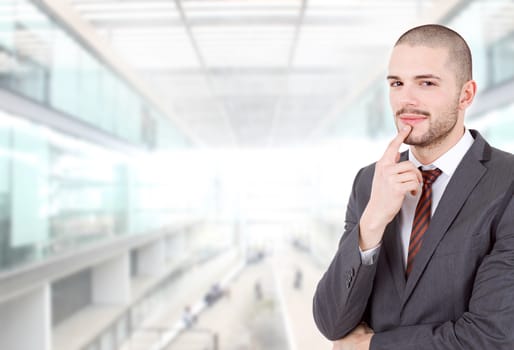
[(449, 161)]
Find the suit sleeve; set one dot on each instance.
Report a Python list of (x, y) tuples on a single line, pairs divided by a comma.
[(489, 322), (342, 294)]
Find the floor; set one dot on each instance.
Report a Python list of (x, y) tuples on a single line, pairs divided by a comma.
[(266, 307)]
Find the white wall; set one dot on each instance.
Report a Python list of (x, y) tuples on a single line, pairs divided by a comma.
[(25, 321)]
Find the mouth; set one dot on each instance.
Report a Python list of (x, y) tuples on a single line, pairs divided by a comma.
[(412, 119)]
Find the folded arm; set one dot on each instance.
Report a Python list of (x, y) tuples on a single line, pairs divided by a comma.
[(343, 292)]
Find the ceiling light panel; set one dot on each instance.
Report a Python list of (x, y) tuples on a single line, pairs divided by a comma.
[(237, 12), (125, 6), (370, 35), (243, 46), (122, 10), (136, 15), (372, 3), (155, 57), (248, 13), (358, 13), (155, 48), (167, 35), (192, 87), (242, 4)]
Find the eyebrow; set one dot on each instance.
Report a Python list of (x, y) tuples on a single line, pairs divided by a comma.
[(417, 77)]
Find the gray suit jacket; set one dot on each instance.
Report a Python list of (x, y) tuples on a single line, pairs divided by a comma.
[(460, 293)]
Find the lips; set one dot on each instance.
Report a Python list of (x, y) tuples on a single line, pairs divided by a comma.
[(412, 119)]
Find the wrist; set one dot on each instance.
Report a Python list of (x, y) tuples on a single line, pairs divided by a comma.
[(367, 244), (370, 232)]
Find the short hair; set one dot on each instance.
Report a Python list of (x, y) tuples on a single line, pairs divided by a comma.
[(437, 36)]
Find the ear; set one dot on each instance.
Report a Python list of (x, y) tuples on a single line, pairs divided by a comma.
[(467, 94)]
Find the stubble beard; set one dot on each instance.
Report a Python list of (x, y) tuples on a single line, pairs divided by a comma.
[(438, 129)]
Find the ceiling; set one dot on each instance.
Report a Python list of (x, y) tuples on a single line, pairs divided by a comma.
[(255, 73)]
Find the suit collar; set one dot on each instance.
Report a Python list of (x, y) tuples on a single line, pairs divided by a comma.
[(448, 161), (480, 148)]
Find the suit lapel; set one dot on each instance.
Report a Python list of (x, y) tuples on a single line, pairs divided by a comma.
[(392, 241), (462, 183)]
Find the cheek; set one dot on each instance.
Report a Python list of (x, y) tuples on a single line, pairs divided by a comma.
[(433, 103), (393, 102), (444, 105), (441, 99)]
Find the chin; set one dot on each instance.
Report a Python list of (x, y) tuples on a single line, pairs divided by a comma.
[(413, 140), (420, 142)]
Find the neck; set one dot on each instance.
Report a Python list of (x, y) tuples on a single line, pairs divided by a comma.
[(430, 153)]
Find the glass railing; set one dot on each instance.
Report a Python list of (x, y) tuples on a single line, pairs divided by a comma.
[(41, 60), (58, 193)]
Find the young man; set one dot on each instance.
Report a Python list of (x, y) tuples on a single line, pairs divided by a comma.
[(427, 257)]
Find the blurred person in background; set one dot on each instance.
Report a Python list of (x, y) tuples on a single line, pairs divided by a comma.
[(427, 257), (188, 317)]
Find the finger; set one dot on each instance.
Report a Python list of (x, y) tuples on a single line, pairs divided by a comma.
[(410, 186), (420, 177), (407, 177), (391, 152), (401, 167), (404, 167), (408, 166), (404, 184)]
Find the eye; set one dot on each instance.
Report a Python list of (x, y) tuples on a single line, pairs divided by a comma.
[(427, 83), (395, 83)]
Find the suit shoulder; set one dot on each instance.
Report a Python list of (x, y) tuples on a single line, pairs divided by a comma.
[(501, 153), (366, 172), (363, 180), (502, 159)]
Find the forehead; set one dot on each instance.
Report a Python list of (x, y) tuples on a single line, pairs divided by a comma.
[(407, 60)]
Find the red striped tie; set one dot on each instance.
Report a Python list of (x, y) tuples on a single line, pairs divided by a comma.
[(421, 216)]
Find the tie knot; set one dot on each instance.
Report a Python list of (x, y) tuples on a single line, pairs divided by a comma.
[(429, 176)]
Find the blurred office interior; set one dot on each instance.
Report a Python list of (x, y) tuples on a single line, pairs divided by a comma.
[(174, 173)]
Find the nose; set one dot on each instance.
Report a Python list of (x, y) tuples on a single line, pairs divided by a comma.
[(407, 96)]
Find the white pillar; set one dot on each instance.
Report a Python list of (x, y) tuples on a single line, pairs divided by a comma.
[(151, 258), (111, 281), (25, 321)]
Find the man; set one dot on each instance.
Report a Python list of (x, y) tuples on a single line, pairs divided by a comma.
[(427, 257)]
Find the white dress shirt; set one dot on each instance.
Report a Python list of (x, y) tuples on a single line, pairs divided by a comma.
[(447, 163)]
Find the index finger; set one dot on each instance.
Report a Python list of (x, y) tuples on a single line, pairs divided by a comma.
[(394, 146)]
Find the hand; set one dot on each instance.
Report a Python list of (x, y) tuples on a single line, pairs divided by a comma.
[(358, 339), (391, 181)]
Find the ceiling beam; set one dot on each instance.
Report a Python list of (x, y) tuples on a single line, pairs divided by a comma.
[(203, 66), (290, 60)]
